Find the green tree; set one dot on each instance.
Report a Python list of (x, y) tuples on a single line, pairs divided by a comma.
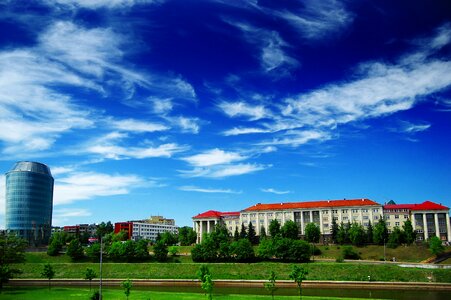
[(265, 249), (369, 233), (342, 235), (348, 252), (93, 251), (291, 250), (236, 234), (380, 232), (104, 229), (116, 251), (48, 272), (207, 285), (409, 233), (312, 233), (262, 235), (334, 230), (169, 238), (274, 228), (75, 250), (242, 251), (395, 238), (243, 233), (12, 250), (298, 274), (57, 240), (357, 234), (251, 234), (290, 230), (187, 236), (160, 251), (174, 251), (141, 250), (90, 275), (127, 286), (435, 246), (203, 270), (270, 286)]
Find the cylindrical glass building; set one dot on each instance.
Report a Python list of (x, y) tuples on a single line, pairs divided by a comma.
[(29, 202)]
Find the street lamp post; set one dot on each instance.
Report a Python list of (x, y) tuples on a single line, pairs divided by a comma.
[(100, 277)]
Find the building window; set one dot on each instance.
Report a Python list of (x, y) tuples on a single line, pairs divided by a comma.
[(405, 217), (396, 223), (344, 211), (396, 216)]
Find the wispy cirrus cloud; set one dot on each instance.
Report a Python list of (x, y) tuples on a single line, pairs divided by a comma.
[(409, 127), (272, 53), (243, 109), (217, 163), (190, 188), (96, 4), (274, 191), (36, 109), (79, 186), (378, 89), (133, 125)]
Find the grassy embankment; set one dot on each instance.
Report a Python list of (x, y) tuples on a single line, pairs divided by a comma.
[(182, 267), (58, 293)]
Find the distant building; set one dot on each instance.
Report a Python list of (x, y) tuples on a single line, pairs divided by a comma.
[(29, 202), (81, 229), (427, 218), (146, 229)]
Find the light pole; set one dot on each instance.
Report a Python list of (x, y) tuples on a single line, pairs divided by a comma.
[(100, 277)]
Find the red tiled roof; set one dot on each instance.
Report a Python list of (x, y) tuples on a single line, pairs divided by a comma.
[(215, 214), (427, 205), (312, 204)]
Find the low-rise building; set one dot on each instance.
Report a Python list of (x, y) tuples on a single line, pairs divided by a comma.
[(146, 229), (206, 222)]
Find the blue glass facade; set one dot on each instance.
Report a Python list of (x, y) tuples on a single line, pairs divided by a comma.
[(29, 202)]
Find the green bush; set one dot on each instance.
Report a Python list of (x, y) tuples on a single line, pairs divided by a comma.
[(348, 252)]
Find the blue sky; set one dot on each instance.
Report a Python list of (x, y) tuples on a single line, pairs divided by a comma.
[(177, 107)]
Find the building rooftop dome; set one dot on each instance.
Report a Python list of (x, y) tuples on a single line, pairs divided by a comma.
[(31, 166)]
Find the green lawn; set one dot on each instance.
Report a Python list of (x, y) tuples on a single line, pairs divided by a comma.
[(58, 293), (317, 271)]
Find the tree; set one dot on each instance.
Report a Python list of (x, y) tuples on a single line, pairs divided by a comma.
[(342, 235), (203, 270), (48, 272), (369, 233), (12, 250), (57, 241), (395, 238), (298, 274), (291, 250), (243, 233), (348, 252), (290, 230), (251, 234), (174, 250), (127, 286), (160, 251), (274, 228), (75, 250), (270, 286), (409, 233), (334, 231), (242, 251), (357, 234), (435, 246), (265, 250), (104, 229), (312, 233), (236, 234), (141, 250), (187, 236), (207, 285), (169, 238), (262, 235), (93, 251), (380, 232), (90, 275)]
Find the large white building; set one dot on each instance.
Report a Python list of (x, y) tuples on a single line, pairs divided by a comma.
[(427, 218), (146, 229)]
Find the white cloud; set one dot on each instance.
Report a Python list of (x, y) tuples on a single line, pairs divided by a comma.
[(186, 124), (318, 19), (236, 109), (118, 152), (61, 170), (222, 171), (274, 191), (273, 58), (137, 126), (96, 4), (88, 185), (213, 157), (63, 216), (36, 110), (411, 128), (298, 137), (207, 190), (161, 106)]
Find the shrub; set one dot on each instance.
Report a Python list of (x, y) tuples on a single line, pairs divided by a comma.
[(242, 250), (348, 252), (339, 259)]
